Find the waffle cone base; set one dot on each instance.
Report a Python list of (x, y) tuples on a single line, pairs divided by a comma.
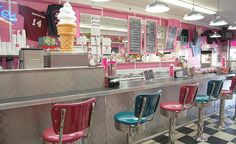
[(67, 34)]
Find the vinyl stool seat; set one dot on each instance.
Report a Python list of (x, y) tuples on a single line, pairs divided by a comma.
[(172, 106), (50, 136), (128, 118)]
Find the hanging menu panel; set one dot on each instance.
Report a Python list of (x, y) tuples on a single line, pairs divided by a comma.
[(171, 38), (151, 37), (135, 38)]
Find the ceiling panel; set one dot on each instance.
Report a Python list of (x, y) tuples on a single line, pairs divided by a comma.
[(227, 8)]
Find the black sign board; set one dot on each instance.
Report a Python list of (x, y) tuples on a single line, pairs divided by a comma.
[(151, 36), (135, 38), (171, 38)]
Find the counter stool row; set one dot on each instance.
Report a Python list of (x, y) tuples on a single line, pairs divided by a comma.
[(72, 122)]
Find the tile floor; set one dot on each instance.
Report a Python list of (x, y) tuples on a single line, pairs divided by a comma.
[(184, 135)]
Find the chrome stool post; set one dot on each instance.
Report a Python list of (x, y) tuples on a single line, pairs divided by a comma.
[(225, 95), (172, 126), (129, 138), (200, 137), (221, 125)]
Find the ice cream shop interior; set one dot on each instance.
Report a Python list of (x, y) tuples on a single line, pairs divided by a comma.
[(117, 71)]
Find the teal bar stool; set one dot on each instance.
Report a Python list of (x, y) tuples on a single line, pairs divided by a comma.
[(213, 91), (225, 95), (135, 122)]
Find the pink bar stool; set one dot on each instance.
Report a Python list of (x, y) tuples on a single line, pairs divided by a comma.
[(225, 95), (174, 110), (70, 122)]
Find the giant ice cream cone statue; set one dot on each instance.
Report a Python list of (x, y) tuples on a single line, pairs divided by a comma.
[(66, 27)]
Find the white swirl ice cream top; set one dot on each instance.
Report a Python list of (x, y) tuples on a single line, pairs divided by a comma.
[(67, 14)]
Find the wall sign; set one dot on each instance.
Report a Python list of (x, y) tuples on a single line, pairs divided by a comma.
[(6, 14), (151, 37), (135, 35), (171, 36), (95, 35)]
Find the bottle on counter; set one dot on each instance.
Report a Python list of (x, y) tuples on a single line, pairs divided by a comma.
[(171, 70), (223, 61)]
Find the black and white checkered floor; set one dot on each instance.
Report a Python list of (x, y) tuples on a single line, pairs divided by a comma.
[(184, 135)]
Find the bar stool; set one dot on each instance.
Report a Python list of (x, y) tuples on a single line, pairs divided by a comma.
[(213, 90), (135, 122), (225, 95), (174, 110), (70, 122)]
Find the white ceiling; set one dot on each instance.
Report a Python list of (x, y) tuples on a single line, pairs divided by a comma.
[(227, 8)]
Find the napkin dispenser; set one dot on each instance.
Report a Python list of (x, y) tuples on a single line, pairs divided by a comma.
[(112, 82), (181, 73)]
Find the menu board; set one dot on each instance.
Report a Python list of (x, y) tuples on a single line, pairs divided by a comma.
[(151, 35), (135, 38), (171, 38)]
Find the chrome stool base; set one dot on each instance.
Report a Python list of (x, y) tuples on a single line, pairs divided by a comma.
[(221, 127), (172, 115), (200, 138), (130, 130)]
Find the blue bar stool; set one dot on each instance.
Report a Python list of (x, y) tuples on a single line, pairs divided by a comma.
[(225, 95), (213, 91), (174, 110), (135, 122)]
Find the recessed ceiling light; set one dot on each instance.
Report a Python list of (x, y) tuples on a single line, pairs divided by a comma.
[(157, 7)]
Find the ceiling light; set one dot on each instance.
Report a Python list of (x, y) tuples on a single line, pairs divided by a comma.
[(215, 35), (157, 7), (100, 0), (218, 21), (193, 15), (232, 27), (189, 5)]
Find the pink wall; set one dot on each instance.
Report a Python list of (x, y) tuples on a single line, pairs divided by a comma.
[(19, 25), (79, 8)]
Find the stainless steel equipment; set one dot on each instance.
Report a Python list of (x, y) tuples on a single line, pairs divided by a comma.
[(66, 59), (31, 58)]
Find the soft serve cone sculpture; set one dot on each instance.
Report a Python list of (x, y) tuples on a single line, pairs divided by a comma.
[(66, 27)]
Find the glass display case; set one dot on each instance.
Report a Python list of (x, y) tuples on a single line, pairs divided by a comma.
[(206, 58)]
